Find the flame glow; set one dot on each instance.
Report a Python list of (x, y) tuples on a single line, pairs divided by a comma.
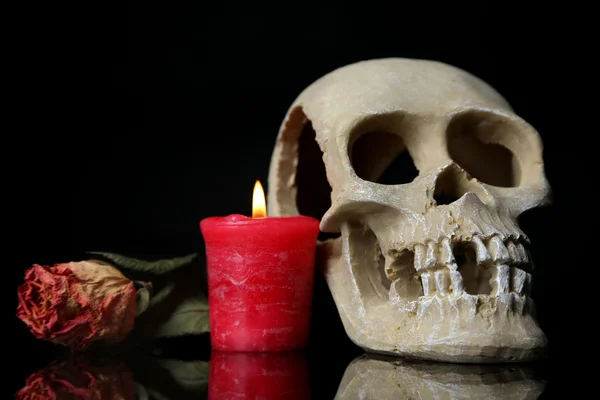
[(259, 207)]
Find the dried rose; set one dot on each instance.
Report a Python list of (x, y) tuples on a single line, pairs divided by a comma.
[(77, 303), (77, 380)]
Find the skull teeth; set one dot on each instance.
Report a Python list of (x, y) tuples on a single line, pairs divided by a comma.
[(442, 281), (456, 283), (504, 279), (504, 267), (494, 252), (436, 282), (481, 252), (498, 251), (425, 256), (513, 252), (446, 254), (500, 281), (427, 280), (518, 279)]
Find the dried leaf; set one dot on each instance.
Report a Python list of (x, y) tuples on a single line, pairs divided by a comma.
[(157, 267), (178, 308), (190, 318)]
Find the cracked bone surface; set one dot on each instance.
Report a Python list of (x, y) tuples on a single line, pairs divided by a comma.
[(421, 170), (373, 377)]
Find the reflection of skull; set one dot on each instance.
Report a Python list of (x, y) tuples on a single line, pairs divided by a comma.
[(378, 377), (433, 267)]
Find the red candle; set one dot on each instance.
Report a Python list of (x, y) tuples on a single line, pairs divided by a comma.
[(239, 376), (260, 279)]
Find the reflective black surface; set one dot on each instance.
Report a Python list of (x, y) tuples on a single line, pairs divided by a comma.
[(186, 368)]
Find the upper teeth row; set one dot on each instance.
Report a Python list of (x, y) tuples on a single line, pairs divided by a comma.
[(487, 252)]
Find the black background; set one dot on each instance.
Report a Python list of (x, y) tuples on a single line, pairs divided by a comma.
[(137, 122)]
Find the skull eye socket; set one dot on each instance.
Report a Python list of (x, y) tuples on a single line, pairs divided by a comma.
[(382, 157), (313, 197), (489, 147), (301, 185)]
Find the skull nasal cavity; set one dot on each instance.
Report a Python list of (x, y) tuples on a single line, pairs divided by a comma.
[(382, 157), (449, 186)]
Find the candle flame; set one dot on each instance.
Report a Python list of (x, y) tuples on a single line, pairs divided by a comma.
[(259, 207)]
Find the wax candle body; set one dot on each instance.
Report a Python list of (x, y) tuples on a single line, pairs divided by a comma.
[(260, 281), (281, 375)]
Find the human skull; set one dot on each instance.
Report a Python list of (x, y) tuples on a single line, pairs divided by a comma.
[(434, 267)]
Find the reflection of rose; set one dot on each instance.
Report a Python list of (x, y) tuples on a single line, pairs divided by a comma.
[(77, 303), (79, 381)]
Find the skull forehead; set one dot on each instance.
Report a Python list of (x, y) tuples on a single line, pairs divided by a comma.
[(374, 87)]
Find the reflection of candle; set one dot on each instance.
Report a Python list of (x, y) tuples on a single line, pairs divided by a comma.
[(266, 376), (260, 279)]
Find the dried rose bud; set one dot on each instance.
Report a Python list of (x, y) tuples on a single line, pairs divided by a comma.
[(77, 303)]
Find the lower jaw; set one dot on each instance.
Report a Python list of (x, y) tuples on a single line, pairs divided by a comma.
[(464, 329), (451, 327)]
